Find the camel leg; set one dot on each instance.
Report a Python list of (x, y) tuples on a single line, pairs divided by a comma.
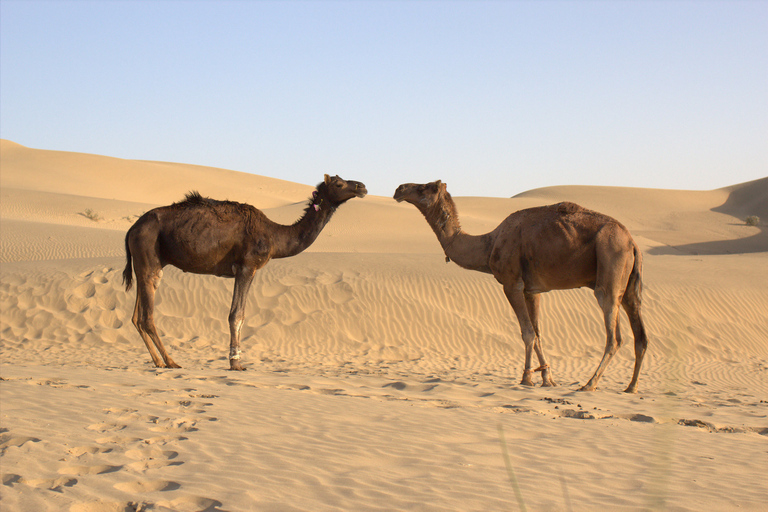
[(146, 287), (243, 280), (137, 314), (609, 303), (533, 303), (516, 299), (631, 305)]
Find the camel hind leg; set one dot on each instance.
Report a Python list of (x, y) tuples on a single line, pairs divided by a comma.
[(631, 304), (137, 314), (143, 318), (609, 303), (613, 272)]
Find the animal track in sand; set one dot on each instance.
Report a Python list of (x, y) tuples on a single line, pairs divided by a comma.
[(397, 385), (7, 441), (175, 425), (117, 440), (725, 429), (119, 410), (110, 506), (192, 504), (53, 484), (163, 439), (151, 453), (77, 451), (141, 466), (55, 383), (147, 486), (106, 427), (89, 470)]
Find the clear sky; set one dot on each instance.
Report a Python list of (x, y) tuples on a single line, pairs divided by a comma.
[(492, 97)]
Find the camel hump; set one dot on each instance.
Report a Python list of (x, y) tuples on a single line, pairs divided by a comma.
[(566, 207), (194, 197)]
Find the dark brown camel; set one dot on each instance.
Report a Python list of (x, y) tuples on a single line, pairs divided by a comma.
[(222, 238), (536, 250)]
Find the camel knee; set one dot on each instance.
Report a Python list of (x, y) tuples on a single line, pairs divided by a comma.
[(612, 346), (156, 279), (641, 345)]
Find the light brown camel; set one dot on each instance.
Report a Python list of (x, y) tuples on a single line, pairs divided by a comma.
[(536, 250), (222, 238)]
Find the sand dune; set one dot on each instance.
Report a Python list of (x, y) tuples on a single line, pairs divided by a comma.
[(379, 377)]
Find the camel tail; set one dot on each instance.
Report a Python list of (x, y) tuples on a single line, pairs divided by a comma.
[(635, 284), (632, 302), (128, 272)]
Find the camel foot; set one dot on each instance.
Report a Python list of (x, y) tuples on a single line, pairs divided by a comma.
[(170, 364), (527, 382), (631, 389), (234, 365), (587, 387), (549, 383)]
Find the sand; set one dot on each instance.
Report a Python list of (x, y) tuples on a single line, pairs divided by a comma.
[(379, 377)]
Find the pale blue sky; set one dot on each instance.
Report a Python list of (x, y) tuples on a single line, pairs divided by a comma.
[(493, 97)]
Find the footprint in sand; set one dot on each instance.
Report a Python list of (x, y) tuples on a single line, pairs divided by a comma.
[(118, 440), (89, 470), (8, 441), (78, 451), (54, 484), (154, 457), (110, 506), (106, 427), (147, 486), (191, 504), (175, 425)]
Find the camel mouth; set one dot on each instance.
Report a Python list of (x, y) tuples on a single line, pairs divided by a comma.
[(360, 190)]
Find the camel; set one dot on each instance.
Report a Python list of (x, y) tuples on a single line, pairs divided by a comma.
[(221, 238), (536, 250)]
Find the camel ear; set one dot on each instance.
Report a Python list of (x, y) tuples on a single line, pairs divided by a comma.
[(327, 179), (442, 186)]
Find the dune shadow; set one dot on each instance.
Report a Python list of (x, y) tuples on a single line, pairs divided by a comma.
[(746, 199), (752, 244)]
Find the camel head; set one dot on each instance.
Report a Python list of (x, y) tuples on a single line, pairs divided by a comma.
[(422, 196), (338, 191)]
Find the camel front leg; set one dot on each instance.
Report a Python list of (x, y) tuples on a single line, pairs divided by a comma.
[(516, 299), (533, 304), (243, 280)]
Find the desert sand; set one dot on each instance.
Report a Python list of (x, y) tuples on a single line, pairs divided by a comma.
[(378, 376)]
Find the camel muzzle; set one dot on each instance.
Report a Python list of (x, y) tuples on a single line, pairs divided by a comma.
[(400, 193), (360, 189)]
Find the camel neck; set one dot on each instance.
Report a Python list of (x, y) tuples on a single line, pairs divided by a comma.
[(468, 251), (291, 240)]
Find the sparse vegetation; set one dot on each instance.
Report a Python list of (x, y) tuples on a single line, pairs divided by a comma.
[(752, 220), (90, 214)]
